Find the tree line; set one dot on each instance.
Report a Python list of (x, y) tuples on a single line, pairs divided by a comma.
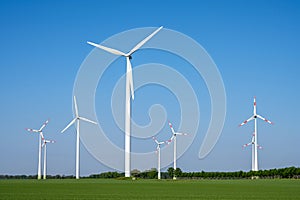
[(288, 172)]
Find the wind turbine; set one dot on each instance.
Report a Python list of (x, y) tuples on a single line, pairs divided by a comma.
[(173, 138), (254, 117), (77, 118), (158, 154), (45, 154), (129, 89), (41, 137), (252, 143)]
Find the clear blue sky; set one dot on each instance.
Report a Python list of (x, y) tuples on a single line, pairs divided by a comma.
[(255, 45)]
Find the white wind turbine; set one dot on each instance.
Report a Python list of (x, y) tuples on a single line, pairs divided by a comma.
[(252, 143), (254, 117), (158, 154), (41, 137), (129, 88), (77, 118), (45, 154), (173, 138)]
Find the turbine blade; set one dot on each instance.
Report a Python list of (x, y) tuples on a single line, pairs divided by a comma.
[(264, 119), (181, 134), (251, 118), (155, 140), (260, 147), (87, 120), (42, 136), (49, 141), (171, 127), (44, 124), (110, 50), (72, 122), (245, 145), (170, 140), (129, 74), (140, 44), (254, 106), (75, 106), (32, 130)]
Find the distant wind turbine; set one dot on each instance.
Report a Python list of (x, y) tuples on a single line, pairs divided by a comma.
[(254, 117), (41, 136), (77, 118), (252, 143), (158, 154), (45, 154), (128, 88), (173, 138)]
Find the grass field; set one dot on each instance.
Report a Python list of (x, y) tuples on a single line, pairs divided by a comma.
[(149, 189)]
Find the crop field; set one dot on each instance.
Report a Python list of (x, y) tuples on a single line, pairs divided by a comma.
[(149, 189)]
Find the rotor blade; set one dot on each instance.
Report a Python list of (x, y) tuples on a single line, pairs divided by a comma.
[(87, 120), (170, 140), (75, 106), (32, 130), (251, 118), (43, 126), (253, 137), (129, 74), (254, 106), (155, 140), (42, 136), (72, 122), (181, 134), (44, 143), (260, 147), (110, 50), (264, 119), (171, 127), (245, 145), (140, 44), (49, 141)]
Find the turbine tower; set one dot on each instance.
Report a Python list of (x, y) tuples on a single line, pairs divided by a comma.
[(77, 118), (45, 154), (158, 154), (252, 143), (173, 138), (254, 117), (129, 89), (41, 137)]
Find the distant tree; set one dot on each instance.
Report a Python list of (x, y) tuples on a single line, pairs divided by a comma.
[(171, 172), (135, 172), (178, 172)]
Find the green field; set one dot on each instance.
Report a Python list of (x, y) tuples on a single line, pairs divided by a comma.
[(149, 189)]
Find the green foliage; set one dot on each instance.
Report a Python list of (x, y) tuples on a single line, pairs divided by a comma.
[(107, 175), (178, 172), (148, 174), (289, 172), (171, 171)]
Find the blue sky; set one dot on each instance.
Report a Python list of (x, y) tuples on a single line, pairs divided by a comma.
[(255, 45)]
